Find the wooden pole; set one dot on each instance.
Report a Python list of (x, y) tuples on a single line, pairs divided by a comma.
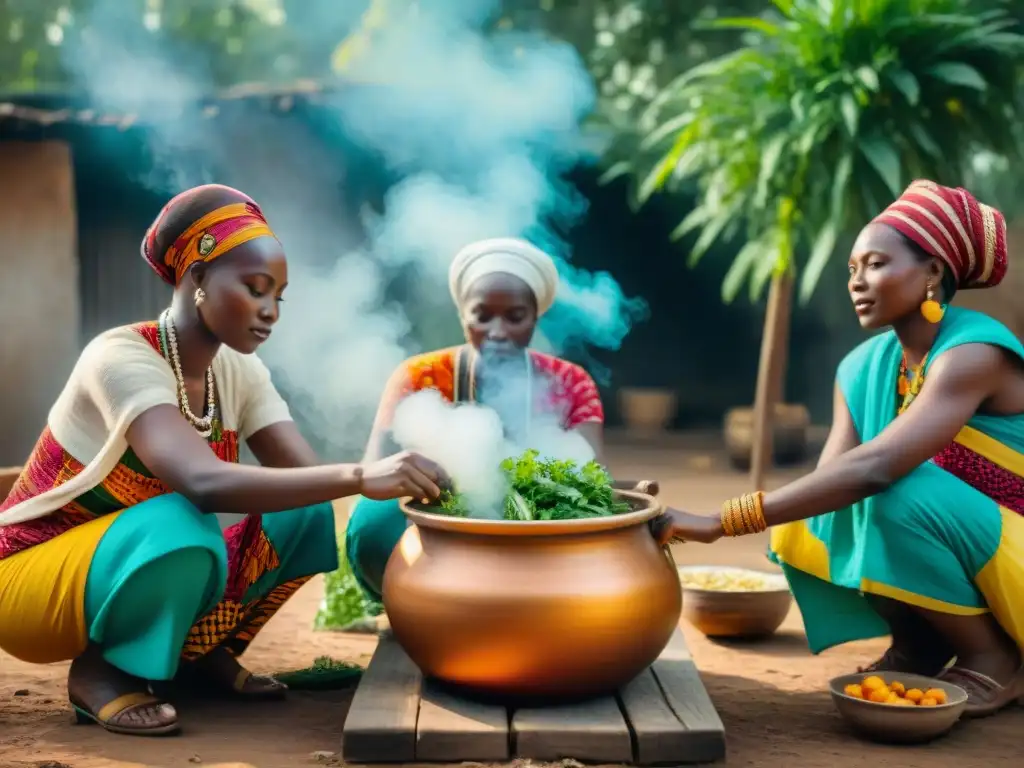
[(771, 375)]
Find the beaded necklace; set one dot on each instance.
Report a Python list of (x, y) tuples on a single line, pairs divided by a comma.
[(909, 382), (169, 347)]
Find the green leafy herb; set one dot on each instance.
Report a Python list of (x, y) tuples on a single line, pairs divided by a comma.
[(345, 604), (324, 674), (551, 489), (453, 504)]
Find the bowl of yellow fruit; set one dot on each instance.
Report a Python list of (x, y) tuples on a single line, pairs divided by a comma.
[(898, 708), (730, 602)]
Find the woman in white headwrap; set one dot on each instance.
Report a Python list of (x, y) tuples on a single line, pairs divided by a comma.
[(501, 287)]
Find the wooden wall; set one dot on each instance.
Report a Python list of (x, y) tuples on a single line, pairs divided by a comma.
[(39, 305)]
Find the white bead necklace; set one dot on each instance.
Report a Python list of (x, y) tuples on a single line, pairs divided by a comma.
[(202, 424)]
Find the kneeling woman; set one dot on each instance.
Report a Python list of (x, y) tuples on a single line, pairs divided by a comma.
[(108, 554), (913, 523), (501, 288)]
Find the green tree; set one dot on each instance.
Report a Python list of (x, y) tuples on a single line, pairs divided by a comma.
[(821, 119), (224, 41), (633, 48)]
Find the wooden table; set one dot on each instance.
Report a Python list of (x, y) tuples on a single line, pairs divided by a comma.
[(663, 717)]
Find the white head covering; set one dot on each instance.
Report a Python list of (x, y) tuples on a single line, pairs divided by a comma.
[(509, 255)]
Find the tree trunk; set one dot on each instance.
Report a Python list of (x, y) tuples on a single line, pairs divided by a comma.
[(771, 375)]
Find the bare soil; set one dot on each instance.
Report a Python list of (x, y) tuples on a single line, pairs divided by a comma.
[(772, 695)]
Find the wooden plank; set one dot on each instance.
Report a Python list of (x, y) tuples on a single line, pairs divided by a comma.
[(381, 722), (595, 730), (666, 718), (686, 695), (454, 729), (659, 735)]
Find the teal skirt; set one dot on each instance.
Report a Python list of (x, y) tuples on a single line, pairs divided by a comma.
[(373, 531), (166, 583)]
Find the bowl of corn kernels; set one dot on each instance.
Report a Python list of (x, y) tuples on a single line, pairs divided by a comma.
[(898, 708), (731, 602)]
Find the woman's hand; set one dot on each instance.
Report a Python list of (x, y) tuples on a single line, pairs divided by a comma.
[(674, 524), (403, 474)]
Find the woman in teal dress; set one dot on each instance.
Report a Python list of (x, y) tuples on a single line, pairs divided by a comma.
[(913, 523), (109, 554)]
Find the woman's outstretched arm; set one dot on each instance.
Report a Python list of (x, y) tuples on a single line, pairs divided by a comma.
[(958, 383), (176, 454)]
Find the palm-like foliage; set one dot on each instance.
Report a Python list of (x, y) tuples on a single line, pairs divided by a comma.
[(824, 117)]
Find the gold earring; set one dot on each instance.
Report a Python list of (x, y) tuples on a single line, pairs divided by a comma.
[(199, 296), (930, 308)]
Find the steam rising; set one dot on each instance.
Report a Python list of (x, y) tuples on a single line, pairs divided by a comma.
[(467, 441), (479, 130), (471, 440)]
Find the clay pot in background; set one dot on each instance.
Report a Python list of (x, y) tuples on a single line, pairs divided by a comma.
[(648, 410), (790, 427)]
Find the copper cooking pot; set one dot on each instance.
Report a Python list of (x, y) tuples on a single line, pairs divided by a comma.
[(527, 609)]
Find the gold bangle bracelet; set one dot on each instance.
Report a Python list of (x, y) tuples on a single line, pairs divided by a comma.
[(726, 517), (727, 521), (732, 524), (744, 515), (762, 523), (757, 521), (747, 504)]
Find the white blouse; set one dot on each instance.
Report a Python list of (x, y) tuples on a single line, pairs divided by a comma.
[(117, 378)]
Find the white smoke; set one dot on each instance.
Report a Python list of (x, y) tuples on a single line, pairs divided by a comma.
[(477, 131), (470, 440)]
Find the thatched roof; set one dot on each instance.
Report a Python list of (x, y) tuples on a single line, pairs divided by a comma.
[(46, 109), (41, 109)]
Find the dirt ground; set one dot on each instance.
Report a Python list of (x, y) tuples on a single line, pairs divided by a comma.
[(772, 696)]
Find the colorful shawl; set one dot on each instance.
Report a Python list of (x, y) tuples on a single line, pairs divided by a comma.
[(130, 483), (571, 394)]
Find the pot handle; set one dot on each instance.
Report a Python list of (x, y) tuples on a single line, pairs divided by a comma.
[(668, 555), (666, 548)]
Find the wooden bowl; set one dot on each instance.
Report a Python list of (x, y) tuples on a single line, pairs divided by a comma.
[(746, 614), (890, 724)]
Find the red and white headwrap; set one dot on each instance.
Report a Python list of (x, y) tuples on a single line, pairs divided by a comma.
[(950, 224)]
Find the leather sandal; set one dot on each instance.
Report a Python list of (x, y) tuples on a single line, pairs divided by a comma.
[(244, 685), (891, 661), (107, 716), (252, 686), (985, 696), (894, 660)]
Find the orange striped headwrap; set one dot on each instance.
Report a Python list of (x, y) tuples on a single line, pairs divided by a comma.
[(950, 224), (211, 236)]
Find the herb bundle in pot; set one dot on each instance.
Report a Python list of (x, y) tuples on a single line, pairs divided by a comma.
[(547, 489)]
